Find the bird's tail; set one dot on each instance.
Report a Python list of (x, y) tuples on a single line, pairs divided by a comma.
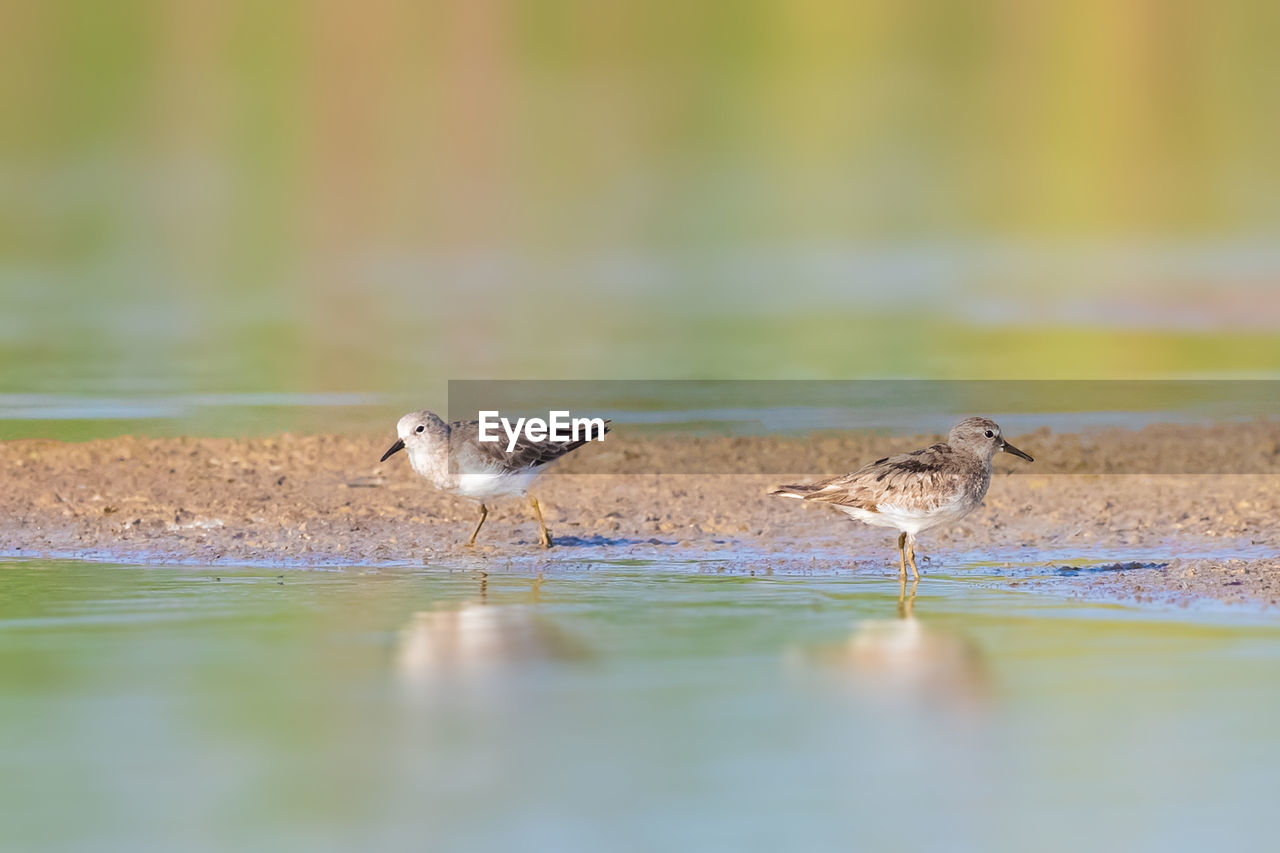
[(592, 435), (801, 491), (599, 435)]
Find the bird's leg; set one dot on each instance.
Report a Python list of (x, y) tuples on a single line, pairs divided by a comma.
[(911, 557), (544, 535), (902, 557), (484, 513)]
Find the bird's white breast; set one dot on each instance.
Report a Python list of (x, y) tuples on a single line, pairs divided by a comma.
[(492, 484), (912, 519), (467, 475)]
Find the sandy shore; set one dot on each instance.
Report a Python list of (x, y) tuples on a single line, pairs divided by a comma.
[(303, 500)]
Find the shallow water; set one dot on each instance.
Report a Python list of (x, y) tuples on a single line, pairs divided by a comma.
[(623, 706)]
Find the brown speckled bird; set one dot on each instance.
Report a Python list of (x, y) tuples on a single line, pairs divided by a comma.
[(916, 491)]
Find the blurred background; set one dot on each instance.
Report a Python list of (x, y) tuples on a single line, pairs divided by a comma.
[(237, 216), (288, 204)]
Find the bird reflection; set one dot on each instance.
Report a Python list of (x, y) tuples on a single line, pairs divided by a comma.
[(907, 603), (476, 638), (904, 662)]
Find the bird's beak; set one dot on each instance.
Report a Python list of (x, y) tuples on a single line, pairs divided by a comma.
[(1004, 445), (399, 445)]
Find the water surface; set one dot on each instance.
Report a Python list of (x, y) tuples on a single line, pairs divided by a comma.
[(625, 705)]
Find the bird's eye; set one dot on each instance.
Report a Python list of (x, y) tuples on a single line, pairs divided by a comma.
[(990, 434), (422, 427)]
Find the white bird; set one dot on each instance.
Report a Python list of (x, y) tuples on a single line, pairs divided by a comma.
[(454, 460)]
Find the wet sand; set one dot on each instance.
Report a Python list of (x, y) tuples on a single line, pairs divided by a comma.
[(314, 500)]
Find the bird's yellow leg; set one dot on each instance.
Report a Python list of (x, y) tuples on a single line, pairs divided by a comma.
[(911, 557), (544, 535), (484, 513), (902, 557)]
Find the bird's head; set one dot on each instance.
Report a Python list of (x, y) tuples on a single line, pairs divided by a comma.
[(982, 437), (417, 429)]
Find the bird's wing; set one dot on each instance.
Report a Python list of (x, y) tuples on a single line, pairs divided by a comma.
[(920, 481), (464, 438)]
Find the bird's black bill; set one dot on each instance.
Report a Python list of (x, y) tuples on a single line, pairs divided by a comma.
[(399, 445), (1006, 447)]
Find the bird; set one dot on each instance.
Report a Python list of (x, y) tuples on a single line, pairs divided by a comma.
[(452, 458), (914, 492)]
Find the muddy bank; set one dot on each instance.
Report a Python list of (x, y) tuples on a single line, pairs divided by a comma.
[(300, 500), (1177, 581)]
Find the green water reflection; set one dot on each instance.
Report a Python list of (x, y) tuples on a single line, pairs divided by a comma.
[(618, 707)]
